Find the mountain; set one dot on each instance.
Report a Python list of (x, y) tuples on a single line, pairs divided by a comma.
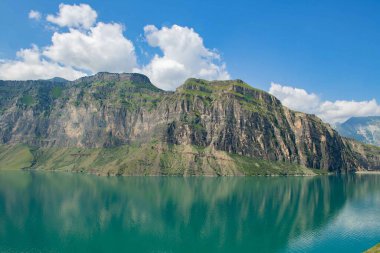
[(364, 129), (121, 124), (58, 80)]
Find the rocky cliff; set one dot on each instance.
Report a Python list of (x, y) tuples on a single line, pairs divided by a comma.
[(122, 124)]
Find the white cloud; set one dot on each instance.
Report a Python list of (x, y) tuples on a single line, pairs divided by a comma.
[(75, 16), (30, 65), (88, 47), (77, 52), (34, 15), (184, 56), (102, 48), (341, 110), (297, 99), (330, 111)]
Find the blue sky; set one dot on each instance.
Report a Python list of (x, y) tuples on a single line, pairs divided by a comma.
[(328, 48)]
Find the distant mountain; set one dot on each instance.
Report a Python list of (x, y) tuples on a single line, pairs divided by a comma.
[(121, 124), (364, 129)]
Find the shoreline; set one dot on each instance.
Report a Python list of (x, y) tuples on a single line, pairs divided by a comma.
[(168, 175), (375, 172)]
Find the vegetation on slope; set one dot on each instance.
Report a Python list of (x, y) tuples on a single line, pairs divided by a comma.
[(15, 157), (145, 159), (121, 124), (374, 249)]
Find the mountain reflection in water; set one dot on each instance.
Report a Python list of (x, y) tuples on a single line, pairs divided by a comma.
[(59, 212)]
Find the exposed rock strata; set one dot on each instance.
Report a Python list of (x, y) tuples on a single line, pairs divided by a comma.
[(223, 117)]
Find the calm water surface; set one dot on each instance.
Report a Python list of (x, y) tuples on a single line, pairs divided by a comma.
[(62, 212)]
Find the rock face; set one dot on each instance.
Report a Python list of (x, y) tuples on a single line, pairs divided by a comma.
[(364, 129), (201, 120)]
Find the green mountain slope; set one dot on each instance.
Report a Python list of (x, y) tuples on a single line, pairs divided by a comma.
[(121, 124)]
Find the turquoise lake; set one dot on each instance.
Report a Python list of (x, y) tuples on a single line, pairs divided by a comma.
[(63, 212)]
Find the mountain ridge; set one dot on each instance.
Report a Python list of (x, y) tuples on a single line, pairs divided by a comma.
[(202, 128)]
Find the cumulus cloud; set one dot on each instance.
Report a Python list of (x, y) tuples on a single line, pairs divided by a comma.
[(102, 48), (75, 16), (81, 45), (297, 99), (34, 15), (183, 55), (86, 48), (330, 111), (30, 65), (341, 110)]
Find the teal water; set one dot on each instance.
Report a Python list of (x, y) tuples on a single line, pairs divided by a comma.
[(63, 212)]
